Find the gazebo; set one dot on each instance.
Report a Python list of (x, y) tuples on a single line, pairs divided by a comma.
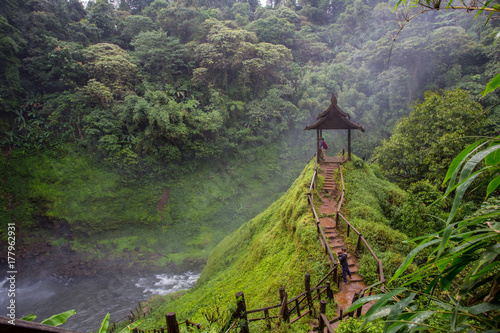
[(334, 119)]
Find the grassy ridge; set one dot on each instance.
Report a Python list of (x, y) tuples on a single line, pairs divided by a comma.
[(275, 249), (369, 200)]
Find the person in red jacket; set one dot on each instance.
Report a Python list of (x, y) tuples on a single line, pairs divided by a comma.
[(323, 146)]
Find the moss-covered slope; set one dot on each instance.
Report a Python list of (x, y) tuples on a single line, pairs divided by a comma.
[(275, 249)]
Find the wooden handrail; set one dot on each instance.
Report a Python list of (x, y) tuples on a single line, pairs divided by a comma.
[(360, 236)]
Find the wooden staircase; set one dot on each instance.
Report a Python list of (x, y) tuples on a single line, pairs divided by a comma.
[(330, 184), (336, 244)]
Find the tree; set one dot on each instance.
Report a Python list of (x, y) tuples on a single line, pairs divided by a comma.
[(11, 43), (424, 143), (133, 25), (111, 66), (159, 55), (102, 14)]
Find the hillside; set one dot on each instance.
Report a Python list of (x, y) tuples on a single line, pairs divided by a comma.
[(275, 249)]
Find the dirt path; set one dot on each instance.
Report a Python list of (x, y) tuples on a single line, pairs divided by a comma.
[(329, 197)]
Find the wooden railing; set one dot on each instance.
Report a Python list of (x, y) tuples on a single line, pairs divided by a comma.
[(339, 217), (134, 314), (288, 310)]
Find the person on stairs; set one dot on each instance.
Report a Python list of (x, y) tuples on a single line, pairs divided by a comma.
[(345, 264)]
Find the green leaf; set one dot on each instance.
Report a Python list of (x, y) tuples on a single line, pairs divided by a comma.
[(396, 311), (131, 326), (460, 193), (458, 161), (29, 317), (374, 309), (58, 319), (483, 307), (492, 85), (409, 258), (444, 240), (362, 301), (104, 324), (492, 186), (419, 318)]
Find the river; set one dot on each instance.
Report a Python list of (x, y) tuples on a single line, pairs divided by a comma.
[(92, 297)]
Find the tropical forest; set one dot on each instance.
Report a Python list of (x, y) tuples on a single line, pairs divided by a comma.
[(160, 171)]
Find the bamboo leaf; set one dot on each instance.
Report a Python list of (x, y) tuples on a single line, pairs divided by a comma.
[(362, 301), (492, 186), (58, 319), (458, 161), (459, 195), (396, 311), (444, 240), (382, 301), (409, 259), (492, 85), (419, 318), (482, 308)]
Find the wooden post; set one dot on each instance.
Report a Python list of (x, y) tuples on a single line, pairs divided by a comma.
[(298, 307), (266, 316), (335, 273), (358, 311), (241, 311), (322, 310), (284, 305), (341, 313), (329, 292), (349, 143), (348, 229), (358, 244), (317, 146), (337, 220), (354, 299), (172, 326), (308, 290)]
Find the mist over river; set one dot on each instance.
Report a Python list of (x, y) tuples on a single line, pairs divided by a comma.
[(91, 297)]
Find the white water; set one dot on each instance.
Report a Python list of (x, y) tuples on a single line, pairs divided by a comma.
[(92, 297)]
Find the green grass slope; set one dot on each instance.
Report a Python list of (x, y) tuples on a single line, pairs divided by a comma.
[(275, 249)]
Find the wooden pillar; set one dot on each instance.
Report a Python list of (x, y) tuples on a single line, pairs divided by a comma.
[(349, 143), (268, 321), (322, 311), (358, 244), (308, 290), (241, 311), (284, 305), (329, 291), (317, 146), (172, 326)]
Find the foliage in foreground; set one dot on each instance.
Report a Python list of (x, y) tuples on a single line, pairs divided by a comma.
[(457, 288)]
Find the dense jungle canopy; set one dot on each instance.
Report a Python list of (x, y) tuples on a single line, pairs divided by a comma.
[(161, 82)]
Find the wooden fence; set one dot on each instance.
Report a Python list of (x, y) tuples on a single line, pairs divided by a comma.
[(339, 218), (134, 314)]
